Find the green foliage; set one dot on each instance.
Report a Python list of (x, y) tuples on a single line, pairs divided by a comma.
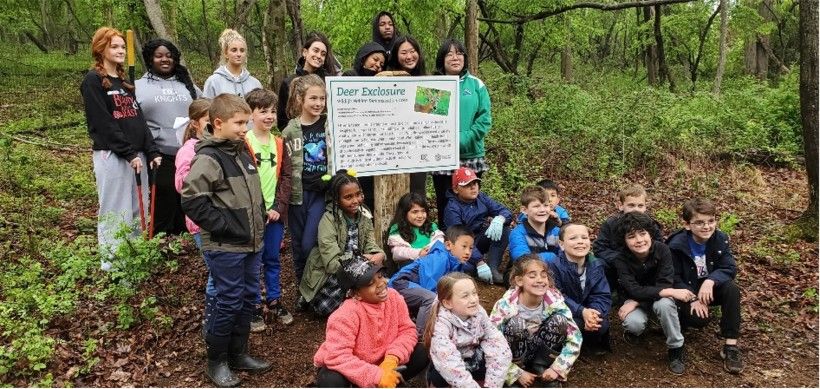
[(727, 223), (668, 218)]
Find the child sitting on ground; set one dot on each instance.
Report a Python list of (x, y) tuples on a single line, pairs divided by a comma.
[(537, 324), (646, 275), (608, 245), (222, 195), (416, 282), (487, 219), (466, 349), (370, 335), (533, 234), (704, 264), (580, 278), (345, 228), (411, 232), (275, 173)]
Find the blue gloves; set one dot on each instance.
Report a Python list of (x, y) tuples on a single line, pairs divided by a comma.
[(495, 229), (484, 273)]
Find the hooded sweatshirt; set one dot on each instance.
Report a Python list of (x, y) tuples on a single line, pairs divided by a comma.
[(163, 100), (222, 81), (361, 55), (377, 36), (282, 118)]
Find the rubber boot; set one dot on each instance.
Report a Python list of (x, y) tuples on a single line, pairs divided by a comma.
[(218, 370), (238, 357)]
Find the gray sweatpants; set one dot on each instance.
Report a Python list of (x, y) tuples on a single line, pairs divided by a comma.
[(667, 313), (419, 301), (117, 195)]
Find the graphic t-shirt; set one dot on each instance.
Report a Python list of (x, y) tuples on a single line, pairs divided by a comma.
[(315, 155), (699, 255), (266, 161)]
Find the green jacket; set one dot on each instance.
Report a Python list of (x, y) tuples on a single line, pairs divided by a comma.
[(292, 135), (222, 194), (475, 117), (324, 259)]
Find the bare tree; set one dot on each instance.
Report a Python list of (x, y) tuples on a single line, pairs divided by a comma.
[(471, 35), (297, 37), (275, 43), (155, 15), (724, 27)]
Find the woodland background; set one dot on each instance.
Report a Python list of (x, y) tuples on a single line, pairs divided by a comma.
[(716, 98)]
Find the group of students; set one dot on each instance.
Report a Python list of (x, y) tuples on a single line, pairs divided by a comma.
[(240, 185)]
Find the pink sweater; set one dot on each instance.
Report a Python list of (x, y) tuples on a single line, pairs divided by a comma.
[(183, 164), (359, 335)]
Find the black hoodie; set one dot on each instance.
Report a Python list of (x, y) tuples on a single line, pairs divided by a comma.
[(361, 55), (377, 36)]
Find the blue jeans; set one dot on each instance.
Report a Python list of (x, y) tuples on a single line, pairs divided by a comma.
[(210, 290), (271, 266), (493, 249), (236, 278), (303, 221)]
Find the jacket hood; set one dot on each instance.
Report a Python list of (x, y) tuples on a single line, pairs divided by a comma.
[(223, 71), (377, 37), (680, 240), (363, 53), (363, 211)]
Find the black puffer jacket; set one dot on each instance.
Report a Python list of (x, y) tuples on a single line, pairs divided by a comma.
[(720, 263)]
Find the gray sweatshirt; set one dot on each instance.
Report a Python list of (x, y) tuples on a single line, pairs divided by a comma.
[(163, 100), (222, 81)]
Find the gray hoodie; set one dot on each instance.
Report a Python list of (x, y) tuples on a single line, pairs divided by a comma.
[(222, 81), (163, 101)]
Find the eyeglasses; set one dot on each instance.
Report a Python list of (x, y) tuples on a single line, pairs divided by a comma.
[(453, 54), (704, 223)]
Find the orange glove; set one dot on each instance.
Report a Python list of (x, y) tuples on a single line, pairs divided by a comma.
[(390, 377)]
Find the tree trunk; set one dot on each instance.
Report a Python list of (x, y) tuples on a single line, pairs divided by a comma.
[(664, 70), (808, 108), (36, 42), (242, 11), (80, 26), (724, 26), (566, 63), (275, 43), (650, 52), (471, 35), (755, 56), (154, 11), (297, 36)]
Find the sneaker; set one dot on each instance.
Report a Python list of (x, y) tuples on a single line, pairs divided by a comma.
[(278, 311), (258, 321), (676, 358), (732, 360), (631, 338), (498, 278), (302, 305)]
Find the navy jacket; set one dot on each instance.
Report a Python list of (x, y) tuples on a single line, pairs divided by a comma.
[(595, 294), (643, 281), (474, 215), (608, 245), (720, 263)]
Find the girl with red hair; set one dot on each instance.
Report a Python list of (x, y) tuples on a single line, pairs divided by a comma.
[(120, 140)]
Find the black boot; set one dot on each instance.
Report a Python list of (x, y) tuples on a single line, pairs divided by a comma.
[(677, 358), (239, 358), (217, 369)]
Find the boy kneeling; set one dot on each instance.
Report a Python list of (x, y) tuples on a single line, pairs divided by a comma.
[(704, 264), (646, 275)]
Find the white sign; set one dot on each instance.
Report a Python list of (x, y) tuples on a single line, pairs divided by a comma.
[(390, 125)]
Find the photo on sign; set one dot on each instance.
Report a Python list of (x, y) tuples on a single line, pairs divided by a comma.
[(432, 101)]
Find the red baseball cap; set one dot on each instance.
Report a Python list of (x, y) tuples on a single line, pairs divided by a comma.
[(464, 176)]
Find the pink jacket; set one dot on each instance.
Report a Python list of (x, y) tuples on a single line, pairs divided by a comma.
[(360, 334), (183, 166)]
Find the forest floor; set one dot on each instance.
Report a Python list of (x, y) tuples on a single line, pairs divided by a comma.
[(778, 278)]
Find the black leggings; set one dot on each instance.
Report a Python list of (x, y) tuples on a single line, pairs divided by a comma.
[(168, 215), (727, 295), (327, 378)]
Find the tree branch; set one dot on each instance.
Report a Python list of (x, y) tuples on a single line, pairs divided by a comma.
[(603, 7)]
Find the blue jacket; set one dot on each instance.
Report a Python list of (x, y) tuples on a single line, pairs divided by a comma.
[(525, 240), (426, 271), (720, 263), (595, 294), (473, 215)]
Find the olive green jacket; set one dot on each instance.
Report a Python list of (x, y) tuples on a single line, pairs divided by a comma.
[(324, 259)]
